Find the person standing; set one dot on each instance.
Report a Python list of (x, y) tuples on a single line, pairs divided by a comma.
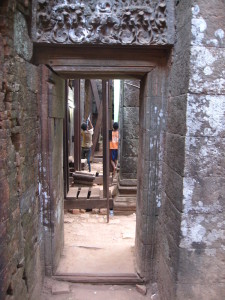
[(87, 133), (113, 145)]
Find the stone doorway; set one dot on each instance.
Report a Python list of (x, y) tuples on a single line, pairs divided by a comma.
[(152, 106)]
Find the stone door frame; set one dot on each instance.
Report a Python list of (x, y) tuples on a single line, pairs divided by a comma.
[(123, 63)]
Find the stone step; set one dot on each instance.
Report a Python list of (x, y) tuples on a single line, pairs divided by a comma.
[(98, 278), (127, 189), (124, 205)]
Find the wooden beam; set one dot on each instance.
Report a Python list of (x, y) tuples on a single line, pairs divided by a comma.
[(95, 93), (87, 204), (49, 54), (113, 72), (105, 100)]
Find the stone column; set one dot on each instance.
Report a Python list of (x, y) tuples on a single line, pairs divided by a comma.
[(129, 132), (125, 201)]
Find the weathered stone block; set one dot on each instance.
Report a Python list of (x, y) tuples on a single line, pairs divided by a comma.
[(131, 133), (130, 148), (32, 81), (200, 291), (166, 284), (183, 14), (144, 222), (173, 183), (203, 232), (129, 176), (204, 266), (208, 23), (179, 76), (22, 42), (205, 157), (203, 195), (170, 252), (131, 116), (170, 219), (207, 70), (131, 93), (4, 203), (27, 200), (177, 115), (205, 115), (128, 164), (175, 152), (140, 253)]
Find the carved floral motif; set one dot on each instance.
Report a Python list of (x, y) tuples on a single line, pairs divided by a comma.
[(101, 22)]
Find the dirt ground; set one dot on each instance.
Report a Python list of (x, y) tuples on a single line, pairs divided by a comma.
[(94, 246)]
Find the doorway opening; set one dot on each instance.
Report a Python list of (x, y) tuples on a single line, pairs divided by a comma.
[(148, 66), (93, 247)]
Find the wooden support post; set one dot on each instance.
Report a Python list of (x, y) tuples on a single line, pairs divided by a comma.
[(77, 130), (110, 105), (105, 100), (88, 98)]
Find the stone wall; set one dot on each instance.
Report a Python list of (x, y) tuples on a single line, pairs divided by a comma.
[(190, 259), (201, 259), (168, 225), (21, 269)]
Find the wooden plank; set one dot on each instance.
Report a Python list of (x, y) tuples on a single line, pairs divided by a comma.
[(86, 204), (72, 192), (83, 193), (95, 193), (98, 278)]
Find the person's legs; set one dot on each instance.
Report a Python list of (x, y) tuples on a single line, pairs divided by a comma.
[(88, 159), (82, 153), (114, 160)]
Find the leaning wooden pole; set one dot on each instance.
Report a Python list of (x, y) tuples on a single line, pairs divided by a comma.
[(77, 144), (105, 100)]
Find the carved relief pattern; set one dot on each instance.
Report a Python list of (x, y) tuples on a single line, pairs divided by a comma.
[(101, 22)]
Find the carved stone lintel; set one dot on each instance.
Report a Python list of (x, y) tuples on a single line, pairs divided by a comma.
[(122, 22)]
